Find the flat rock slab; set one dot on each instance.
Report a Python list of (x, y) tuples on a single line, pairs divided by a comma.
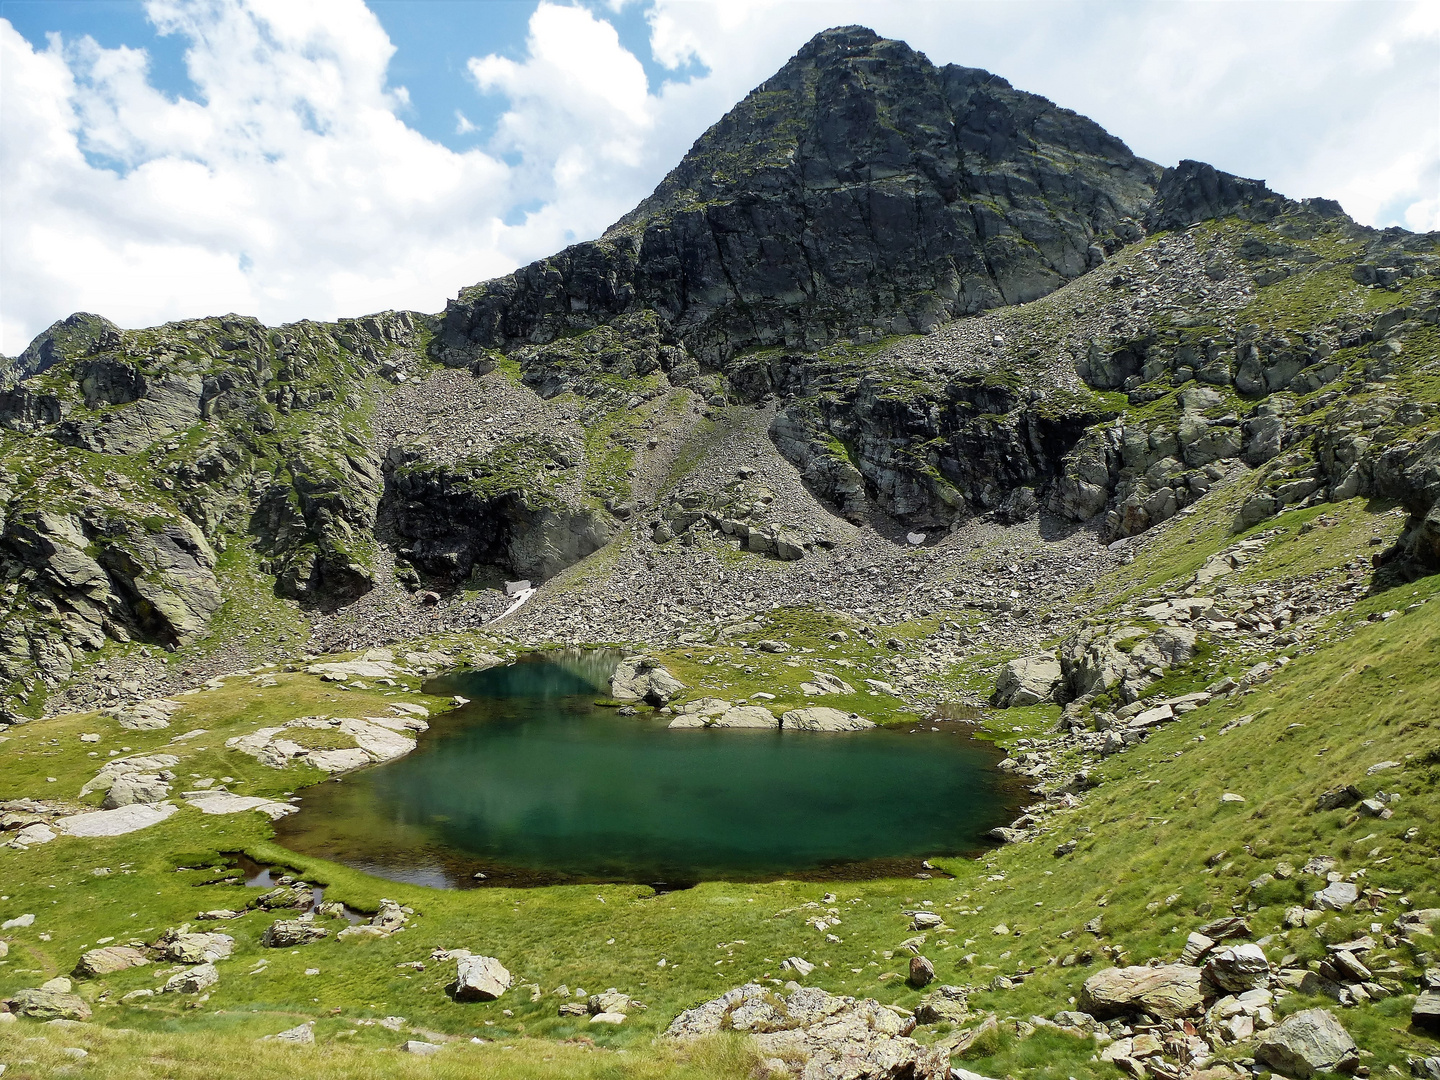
[(222, 802), (1169, 991), (109, 960), (50, 1004), (117, 822), (821, 718)]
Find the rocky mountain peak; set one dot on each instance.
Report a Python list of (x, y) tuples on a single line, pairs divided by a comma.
[(861, 189)]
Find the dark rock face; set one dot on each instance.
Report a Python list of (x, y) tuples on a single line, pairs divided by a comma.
[(924, 455), (859, 187), (72, 338), (456, 519), (1194, 191)]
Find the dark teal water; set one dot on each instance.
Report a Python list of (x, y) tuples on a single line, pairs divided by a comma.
[(532, 783)]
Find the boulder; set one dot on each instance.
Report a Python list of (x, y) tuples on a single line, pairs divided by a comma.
[(288, 933), (1169, 991), (193, 981), (1337, 896), (480, 978), (1306, 1043), (820, 1034), (922, 971), (186, 948), (642, 678), (746, 716), (1425, 1014), (820, 718), (136, 788), (1238, 968), (109, 960), (1027, 681), (48, 1003)]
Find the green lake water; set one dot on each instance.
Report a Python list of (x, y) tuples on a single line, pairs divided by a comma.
[(532, 783)]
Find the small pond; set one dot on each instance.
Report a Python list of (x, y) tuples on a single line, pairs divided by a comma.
[(532, 783)]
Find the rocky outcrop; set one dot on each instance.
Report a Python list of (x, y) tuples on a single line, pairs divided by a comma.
[(1119, 660), (643, 678), (860, 186), (507, 509), (820, 718), (814, 1034), (1027, 681)]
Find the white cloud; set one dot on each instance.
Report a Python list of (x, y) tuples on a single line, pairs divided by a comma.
[(290, 187)]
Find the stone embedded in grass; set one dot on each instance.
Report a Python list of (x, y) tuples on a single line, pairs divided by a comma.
[(19, 922), (53, 1001), (1231, 797), (925, 920), (1337, 896), (287, 896), (126, 819), (302, 1035), (196, 980), (109, 960), (415, 1046), (285, 933), (480, 978), (223, 802), (35, 833), (180, 945)]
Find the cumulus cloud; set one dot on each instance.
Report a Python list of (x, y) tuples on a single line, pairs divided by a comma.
[(288, 188)]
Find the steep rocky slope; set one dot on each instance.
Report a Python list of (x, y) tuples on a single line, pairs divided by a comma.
[(1207, 324)]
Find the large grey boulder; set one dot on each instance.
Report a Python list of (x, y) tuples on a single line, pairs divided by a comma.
[(195, 980), (1027, 681), (480, 978), (53, 1001), (107, 961), (1425, 1014), (643, 678), (136, 788), (820, 718), (1306, 1043), (1239, 968), (1169, 991)]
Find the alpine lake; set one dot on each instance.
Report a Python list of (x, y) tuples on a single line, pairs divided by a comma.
[(533, 783)]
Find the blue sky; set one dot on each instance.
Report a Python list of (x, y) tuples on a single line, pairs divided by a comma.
[(314, 158), (433, 39)]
